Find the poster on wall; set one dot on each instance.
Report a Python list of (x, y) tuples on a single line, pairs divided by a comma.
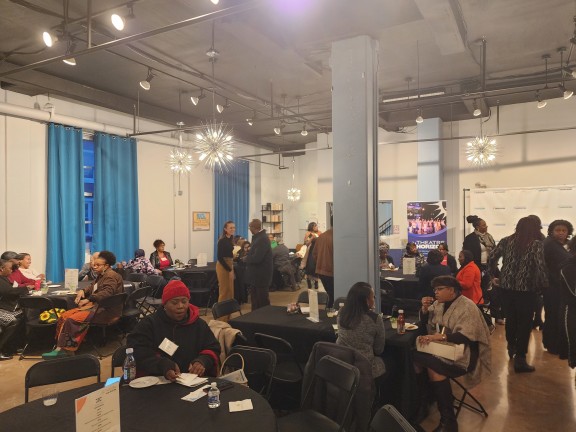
[(427, 224), (200, 221)]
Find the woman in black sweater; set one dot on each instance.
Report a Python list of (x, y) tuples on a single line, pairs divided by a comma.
[(225, 264)]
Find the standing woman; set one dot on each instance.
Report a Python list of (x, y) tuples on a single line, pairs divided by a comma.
[(225, 264), (447, 259), (160, 259), (556, 255), (568, 295), (479, 242), (312, 231), (522, 277)]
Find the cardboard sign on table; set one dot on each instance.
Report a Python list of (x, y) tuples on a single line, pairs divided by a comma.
[(409, 266), (313, 303), (71, 279), (202, 259), (99, 411)]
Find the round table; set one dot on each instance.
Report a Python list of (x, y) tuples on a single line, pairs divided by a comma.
[(155, 408)]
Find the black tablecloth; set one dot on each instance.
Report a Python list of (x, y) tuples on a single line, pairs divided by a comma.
[(62, 300), (157, 408), (303, 334), (405, 288)]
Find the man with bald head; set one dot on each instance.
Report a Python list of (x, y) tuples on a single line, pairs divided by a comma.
[(259, 266)]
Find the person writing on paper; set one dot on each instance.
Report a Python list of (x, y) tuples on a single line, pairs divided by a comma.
[(386, 261), (174, 339), (359, 327), (451, 317), (72, 324), (160, 259)]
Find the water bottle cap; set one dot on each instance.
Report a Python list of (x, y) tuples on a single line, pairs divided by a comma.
[(129, 350), (400, 310), (213, 384)]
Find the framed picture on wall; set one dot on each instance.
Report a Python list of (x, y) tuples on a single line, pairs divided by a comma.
[(200, 221)]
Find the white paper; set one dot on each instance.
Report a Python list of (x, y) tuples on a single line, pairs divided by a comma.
[(196, 394), (243, 405), (168, 346), (313, 303), (409, 266), (202, 259), (393, 278), (190, 380), (71, 279), (99, 411), (305, 309), (53, 286)]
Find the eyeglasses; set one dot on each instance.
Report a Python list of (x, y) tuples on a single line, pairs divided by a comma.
[(98, 265), (440, 288)]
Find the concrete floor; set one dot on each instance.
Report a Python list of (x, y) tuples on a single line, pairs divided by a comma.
[(543, 400)]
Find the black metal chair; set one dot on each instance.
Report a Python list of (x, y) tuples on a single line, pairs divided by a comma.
[(226, 307), (117, 359), (133, 310), (61, 370), (461, 402), (322, 298), (197, 283), (328, 398), (32, 308), (109, 303), (259, 367), (136, 277), (388, 419), (287, 380), (153, 300)]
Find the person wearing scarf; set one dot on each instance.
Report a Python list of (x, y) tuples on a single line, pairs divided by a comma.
[(177, 321)]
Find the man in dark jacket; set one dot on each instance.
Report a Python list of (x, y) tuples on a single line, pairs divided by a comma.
[(174, 339), (259, 266)]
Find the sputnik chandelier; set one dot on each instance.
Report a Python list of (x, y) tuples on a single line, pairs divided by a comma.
[(180, 160), (481, 151), (214, 141), (293, 193)]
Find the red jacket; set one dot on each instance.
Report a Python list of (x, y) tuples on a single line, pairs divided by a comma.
[(469, 277), (20, 279)]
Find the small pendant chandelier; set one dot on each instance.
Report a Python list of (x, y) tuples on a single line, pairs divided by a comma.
[(481, 151), (293, 193), (180, 160)]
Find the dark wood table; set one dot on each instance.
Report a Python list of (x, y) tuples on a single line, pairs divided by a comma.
[(303, 334), (155, 408)]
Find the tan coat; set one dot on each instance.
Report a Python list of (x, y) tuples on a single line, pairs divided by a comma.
[(323, 254)]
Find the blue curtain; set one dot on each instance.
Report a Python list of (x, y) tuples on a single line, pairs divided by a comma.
[(65, 242), (116, 222), (232, 199)]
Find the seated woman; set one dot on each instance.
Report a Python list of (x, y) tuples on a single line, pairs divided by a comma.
[(160, 259), (17, 276), (432, 269), (359, 327), (386, 261), (88, 272), (452, 318), (10, 313), (178, 322), (412, 252), (469, 277), (141, 264), (72, 325), (25, 263), (447, 260)]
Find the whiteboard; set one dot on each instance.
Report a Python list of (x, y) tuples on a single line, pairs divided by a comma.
[(501, 208)]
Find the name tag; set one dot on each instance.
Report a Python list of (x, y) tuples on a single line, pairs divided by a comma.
[(168, 346)]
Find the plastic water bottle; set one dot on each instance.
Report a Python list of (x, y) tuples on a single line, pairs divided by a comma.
[(213, 396), (394, 312), (129, 368), (401, 322)]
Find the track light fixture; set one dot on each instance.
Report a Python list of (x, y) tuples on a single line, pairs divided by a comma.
[(49, 39), (119, 21), (304, 131), (278, 130), (219, 108), (477, 111), (196, 99), (215, 1), (250, 121), (71, 61), (541, 102), (419, 119), (145, 84), (566, 94)]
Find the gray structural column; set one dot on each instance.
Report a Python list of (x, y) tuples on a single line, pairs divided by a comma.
[(355, 161), (430, 179)]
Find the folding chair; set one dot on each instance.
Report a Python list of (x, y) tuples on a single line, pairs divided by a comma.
[(61, 370), (328, 398), (117, 359), (133, 306), (339, 302), (226, 307), (109, 303), (460, 402), (32, 308), (388, 419), (259, 366), (197, 283)]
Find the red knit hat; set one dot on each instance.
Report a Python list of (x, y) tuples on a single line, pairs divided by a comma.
[(175, 288)]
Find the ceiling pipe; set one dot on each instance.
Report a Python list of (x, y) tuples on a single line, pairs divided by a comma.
[(232, 10)]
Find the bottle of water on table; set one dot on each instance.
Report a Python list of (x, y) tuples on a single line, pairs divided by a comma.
[(129, 368), (213, 396)]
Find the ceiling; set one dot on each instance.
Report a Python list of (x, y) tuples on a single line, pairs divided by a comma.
[(274, 58)]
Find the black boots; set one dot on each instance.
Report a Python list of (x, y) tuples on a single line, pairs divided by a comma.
[(424, 396), (443, 393), (520, 365)]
